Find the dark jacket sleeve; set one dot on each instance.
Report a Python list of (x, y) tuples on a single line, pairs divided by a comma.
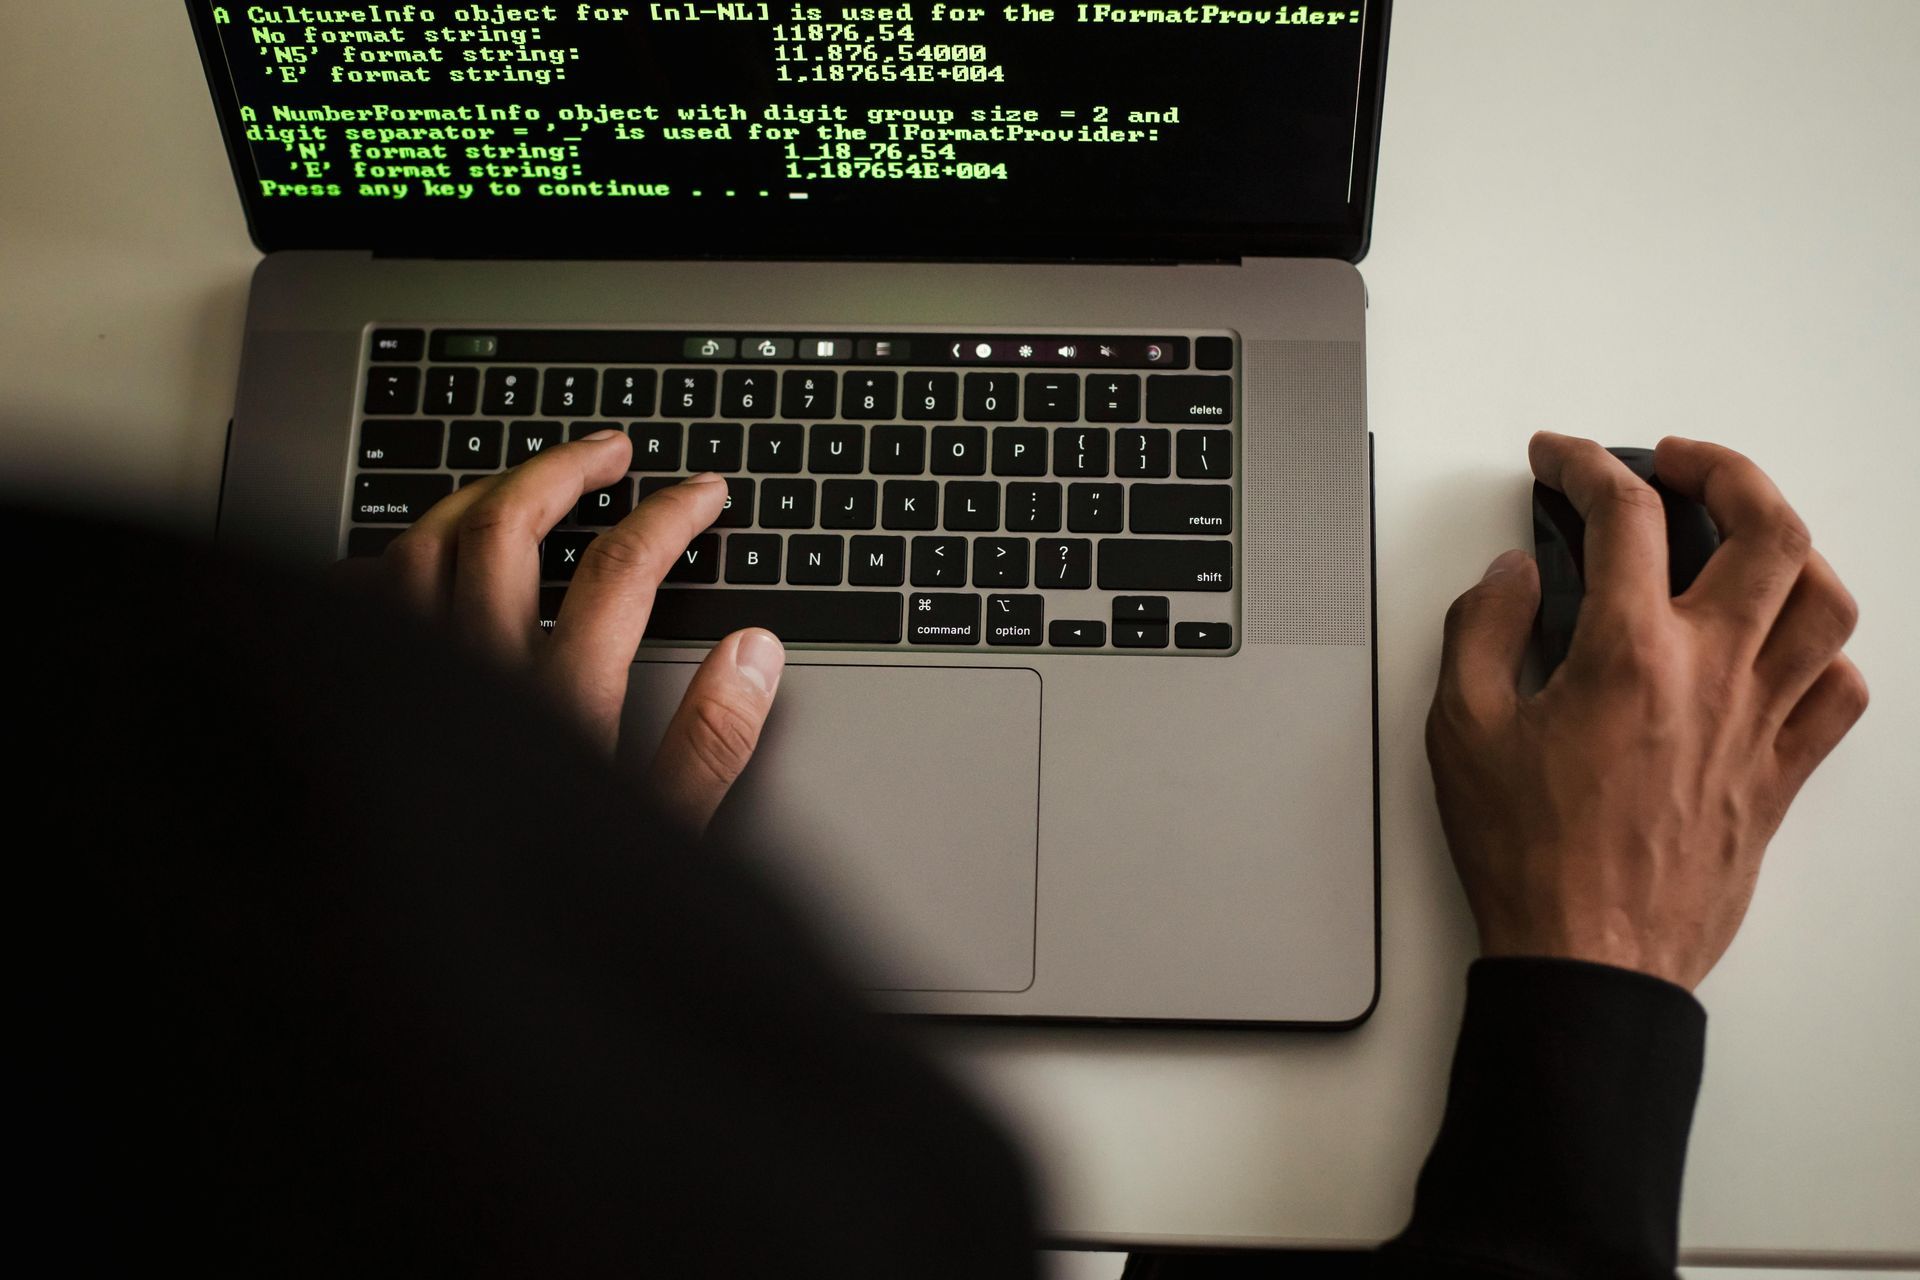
[(1565, 1133), (332, 952)]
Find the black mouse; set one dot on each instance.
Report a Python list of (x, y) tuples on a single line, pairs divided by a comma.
[(1559, 547)]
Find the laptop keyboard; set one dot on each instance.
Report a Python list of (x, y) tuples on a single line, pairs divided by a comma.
[(911, 491)]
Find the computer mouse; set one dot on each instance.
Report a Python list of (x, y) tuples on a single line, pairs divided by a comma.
[(1559, 542)]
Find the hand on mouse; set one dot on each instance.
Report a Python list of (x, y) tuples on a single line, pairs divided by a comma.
[(474, 560), (1620, 814)]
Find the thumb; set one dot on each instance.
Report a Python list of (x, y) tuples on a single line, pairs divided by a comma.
[(713, 734), (1486, 638)]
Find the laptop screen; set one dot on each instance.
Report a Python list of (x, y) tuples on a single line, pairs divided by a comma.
[(800, 129)]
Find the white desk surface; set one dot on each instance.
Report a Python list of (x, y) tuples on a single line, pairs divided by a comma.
[(1620, 219)]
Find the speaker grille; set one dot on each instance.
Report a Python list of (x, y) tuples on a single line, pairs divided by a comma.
[(1305, 494)]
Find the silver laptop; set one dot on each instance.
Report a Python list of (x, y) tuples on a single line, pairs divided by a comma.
[(1030, 341)]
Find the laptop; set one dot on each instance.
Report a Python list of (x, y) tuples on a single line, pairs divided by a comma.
[(1030, 341)]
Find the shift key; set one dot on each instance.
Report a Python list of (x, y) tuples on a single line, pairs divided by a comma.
[(1147, 564)]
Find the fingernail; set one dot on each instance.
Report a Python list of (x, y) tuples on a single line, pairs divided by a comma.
[(760, 658), (1505, 562), (611, 433), (706, 477)]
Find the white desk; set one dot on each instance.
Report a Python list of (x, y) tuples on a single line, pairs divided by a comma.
[(1617, 219)]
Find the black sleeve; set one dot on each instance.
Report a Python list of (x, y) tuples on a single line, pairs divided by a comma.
[(1565, 1133), (332, 952)]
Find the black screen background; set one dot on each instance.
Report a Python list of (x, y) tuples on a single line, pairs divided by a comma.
[(1262, 162)]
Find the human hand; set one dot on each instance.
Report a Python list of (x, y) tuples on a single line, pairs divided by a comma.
[(474, 560), (1620, 814)]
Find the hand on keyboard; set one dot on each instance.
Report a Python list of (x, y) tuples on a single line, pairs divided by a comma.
[(473, 559), (1619, 815)]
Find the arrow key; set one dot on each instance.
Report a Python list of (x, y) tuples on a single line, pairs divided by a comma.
[(1140, 635), (1066, 633), (1203, 635)]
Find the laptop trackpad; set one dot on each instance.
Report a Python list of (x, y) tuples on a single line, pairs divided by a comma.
[(902, 804)]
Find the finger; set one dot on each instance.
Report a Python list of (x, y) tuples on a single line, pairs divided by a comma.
[(1763, 543), (1625, 552), (1816, 621), (1820, 720), (607, 604), (713, 734), (496, 578), (1486, 639), (419, 563)]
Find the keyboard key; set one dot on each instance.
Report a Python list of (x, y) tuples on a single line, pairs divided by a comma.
[(959, 451), (1033, 508), (1140, 635), (943, 619), (656, 447), (836, 449), (1213, 353), (452, 391), (689, 393), (1073, 633), (753, 558), (1094, 508), (581, 430), (700, 562), (560, 554), (527, 439), (737, 511), (1194, 397), (939, 562), (509, 393), (1143, 451), (408, 443), (909, 504), (1203, 635), (808, 395), (747, 393), (1113, 397), (628, 393), (1140, 609), (1139, 564), (1015, 620), (932, 396), (1063, 562), (849, 504), (393, 390), (370, 541), (605, 507), (395, 499), (1020, 451), (569, 392), (899, 451), (774, 446), (991, 397), (713, 446), (870, 397), (973, 507), (551, 598), (786, 504), (475, 446), (877, 562), (1000, 562), (813, 559), (797, 617), (1081, 451), (399, 344), (1203, 455), (1181, 508), (1053, 397)]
